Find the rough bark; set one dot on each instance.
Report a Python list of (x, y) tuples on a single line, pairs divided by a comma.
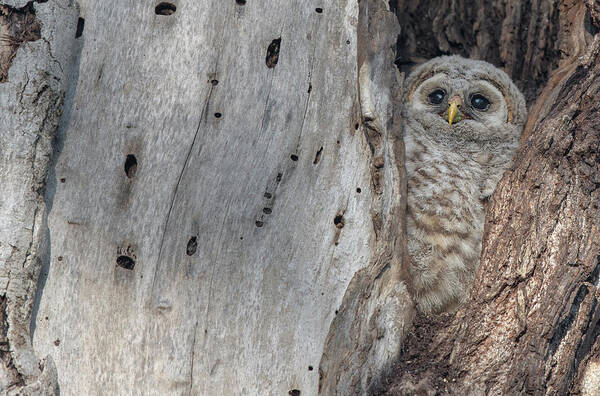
[(34, 54), (532, 324)]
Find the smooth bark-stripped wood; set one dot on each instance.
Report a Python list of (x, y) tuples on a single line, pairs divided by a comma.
[(533, 322), (211, 200), (366, 336), (35, 54)]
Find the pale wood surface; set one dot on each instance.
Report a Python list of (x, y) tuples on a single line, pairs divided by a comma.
[(239, 316)]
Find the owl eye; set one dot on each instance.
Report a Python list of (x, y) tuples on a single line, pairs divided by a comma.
[(480, 102), (437, 96)]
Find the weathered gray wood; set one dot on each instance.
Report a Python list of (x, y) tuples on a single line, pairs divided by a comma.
[(365, 338), (31, 99), (248, 312)]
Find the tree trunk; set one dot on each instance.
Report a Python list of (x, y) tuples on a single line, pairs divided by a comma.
[(532, 324), (210, 199)]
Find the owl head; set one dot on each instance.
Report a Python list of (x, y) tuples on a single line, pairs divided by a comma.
[(458, 100)]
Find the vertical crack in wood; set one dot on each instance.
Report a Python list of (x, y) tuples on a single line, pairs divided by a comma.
[(184, 167), (192, 357)]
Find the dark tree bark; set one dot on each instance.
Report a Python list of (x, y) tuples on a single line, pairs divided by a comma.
[(532, 324)]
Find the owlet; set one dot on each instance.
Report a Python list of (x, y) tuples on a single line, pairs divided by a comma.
[(462, 123)]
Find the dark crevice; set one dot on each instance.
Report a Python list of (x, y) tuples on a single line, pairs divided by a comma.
[(560, 331)]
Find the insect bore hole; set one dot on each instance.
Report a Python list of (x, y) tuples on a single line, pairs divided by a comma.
[(192, 245), (273, 53), (240, 2), (125, 262), (79, 30), (339, 221), (318, 156), (130, 165), (165, 9), (294, 392)]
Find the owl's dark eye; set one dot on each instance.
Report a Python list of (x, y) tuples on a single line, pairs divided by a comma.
[(480, 102), (437, 96)]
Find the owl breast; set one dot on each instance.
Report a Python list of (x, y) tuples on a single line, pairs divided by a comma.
[(445, 217)]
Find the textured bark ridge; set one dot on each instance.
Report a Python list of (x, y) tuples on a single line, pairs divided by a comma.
[(533, 322), (34, 54)]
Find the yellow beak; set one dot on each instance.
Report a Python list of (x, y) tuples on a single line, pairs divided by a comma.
[(453, 112)]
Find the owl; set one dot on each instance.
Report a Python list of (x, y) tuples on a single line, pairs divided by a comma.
[(462, 120)]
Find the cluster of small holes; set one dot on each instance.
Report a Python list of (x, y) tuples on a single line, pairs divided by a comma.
[(165, 9)]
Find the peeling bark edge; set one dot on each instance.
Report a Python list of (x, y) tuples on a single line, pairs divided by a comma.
[(31, 100), (365, 337)]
